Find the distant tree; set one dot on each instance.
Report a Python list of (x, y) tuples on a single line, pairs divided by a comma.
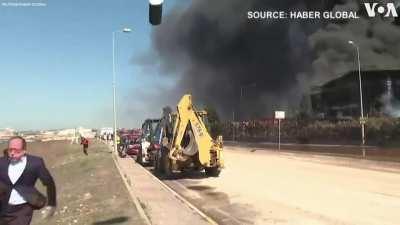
[(214, 125)]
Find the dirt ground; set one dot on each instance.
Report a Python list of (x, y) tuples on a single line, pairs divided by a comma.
[(266, 187), (90, 189)]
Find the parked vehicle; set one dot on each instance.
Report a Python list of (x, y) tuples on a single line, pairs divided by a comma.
[(150, 142), (129, 143)]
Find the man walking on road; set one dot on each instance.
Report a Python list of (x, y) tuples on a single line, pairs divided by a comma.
[(18, 175)]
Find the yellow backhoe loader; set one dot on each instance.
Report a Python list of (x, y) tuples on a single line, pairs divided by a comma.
[(186, 144)]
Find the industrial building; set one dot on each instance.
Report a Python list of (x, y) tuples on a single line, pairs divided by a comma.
[(340, 98)]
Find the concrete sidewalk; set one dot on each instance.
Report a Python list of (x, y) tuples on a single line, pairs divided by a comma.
[(160, 204)]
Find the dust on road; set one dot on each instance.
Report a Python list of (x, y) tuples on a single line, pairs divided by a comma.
[(262, 188)]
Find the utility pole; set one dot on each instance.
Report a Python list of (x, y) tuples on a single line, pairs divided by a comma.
[(362, 119), (125, 30), (242, 88), (233, 125)]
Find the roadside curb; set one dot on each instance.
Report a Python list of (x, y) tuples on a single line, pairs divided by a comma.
[(273, 144), (333, 159), (180, 197), (140, 208), (359, 163), (128, 185)]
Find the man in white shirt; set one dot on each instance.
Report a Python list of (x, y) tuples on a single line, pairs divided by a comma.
[(18, 174), (15, 170)]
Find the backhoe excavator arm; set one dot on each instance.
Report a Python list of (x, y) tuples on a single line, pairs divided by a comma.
[(187, 114)]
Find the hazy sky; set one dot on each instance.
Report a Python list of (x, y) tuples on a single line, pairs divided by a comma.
[(56, 62)]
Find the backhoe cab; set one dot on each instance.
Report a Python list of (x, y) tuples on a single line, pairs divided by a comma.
[(186, 144)]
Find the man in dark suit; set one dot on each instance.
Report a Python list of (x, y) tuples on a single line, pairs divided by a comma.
[(18, 174)]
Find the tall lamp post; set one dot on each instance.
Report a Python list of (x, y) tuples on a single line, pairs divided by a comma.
[(362, 120), (125, 30), (242, 89)]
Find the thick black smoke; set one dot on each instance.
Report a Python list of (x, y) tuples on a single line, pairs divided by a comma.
[(255, 67)]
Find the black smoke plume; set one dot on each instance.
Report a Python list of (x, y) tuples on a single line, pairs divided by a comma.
[(254, 67)]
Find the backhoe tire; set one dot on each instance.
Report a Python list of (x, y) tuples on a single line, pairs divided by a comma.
[(166, 163), (212, 171), (139, 157), (157, 163)]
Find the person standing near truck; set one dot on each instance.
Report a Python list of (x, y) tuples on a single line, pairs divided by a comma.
[(118, 141)]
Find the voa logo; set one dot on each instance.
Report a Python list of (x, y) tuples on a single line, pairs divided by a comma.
[(386, 10)]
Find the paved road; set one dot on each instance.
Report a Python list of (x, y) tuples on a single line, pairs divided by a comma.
[(264, 187), (353, 151)]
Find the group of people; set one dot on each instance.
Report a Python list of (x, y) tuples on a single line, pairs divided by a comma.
[(108, 137), (19, 172)]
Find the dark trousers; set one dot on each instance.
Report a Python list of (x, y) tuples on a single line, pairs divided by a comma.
[(85, 147), (17, 215)]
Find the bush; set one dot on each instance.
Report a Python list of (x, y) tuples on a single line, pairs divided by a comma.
[(214, 125), (379, 131), (383, 130)]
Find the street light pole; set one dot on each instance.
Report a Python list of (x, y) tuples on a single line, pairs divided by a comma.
[(114, 93), (239, 110), (233, 125), (361, 98), (125, 30), (241, 95)]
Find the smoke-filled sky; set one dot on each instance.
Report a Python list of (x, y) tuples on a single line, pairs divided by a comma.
[(54, 78), (254, 67)]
